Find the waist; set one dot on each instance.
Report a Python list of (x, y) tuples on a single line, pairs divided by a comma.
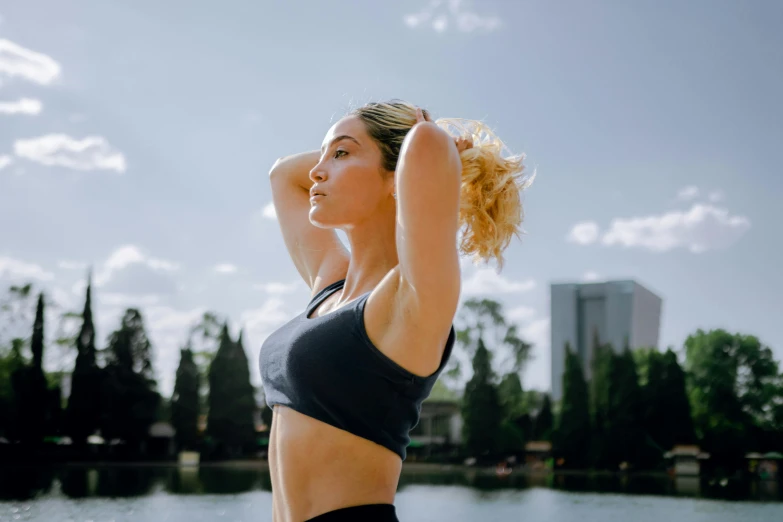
[(316, 467)]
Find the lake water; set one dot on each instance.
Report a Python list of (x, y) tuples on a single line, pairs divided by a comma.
[(151, 494)]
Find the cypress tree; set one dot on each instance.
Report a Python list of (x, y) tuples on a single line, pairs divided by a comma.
[(680, 420), (185, 401), (230, 422), (573, 430), (83, 410), (130, 400), (481, 408), (544, 420), (623, 425), (599, 400)]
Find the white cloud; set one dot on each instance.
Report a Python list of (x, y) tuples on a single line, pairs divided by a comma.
[(590, 276), (225, 268), (440, 23), (128, 270), (278, 288), (127, 300), (688, 193), (15, 269), (22, 106), (440, 15), (486, 280), (269, 211), (584, 233), (19, 270), (5, 160), (703, 227), (71, 265), (32, 66), (521, 314), (716, 196), (270, 314), (90, 153)]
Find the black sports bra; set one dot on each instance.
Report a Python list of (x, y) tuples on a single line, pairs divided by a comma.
[(327, 368)]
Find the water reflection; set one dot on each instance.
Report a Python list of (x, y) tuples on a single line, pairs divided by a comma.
[(26, 483)]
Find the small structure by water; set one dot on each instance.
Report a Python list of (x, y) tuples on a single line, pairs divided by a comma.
[(766, 466), (538, 454), (686, 460)]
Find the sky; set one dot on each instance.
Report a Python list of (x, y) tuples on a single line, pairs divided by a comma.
[(136, 138)]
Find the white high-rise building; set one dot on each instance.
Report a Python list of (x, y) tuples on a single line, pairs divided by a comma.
[(617, 310)]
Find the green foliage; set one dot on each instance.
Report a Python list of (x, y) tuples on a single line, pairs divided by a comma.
[(623, 430), (600, 366), (185, 402), (82, 416), (484, 319), (511, 396), (230, 421), (544, 421), (733, 387), (573, 428), (482, 412), (32, 405), (130, 402)]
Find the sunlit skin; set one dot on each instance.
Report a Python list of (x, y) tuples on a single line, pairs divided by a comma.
[(404, 251)]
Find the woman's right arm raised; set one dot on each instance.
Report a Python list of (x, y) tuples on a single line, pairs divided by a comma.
[(317, 253)]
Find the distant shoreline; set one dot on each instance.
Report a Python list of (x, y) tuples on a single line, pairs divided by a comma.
[(407, 467)]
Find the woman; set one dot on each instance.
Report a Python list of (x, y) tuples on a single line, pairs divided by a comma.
[(346, 377)]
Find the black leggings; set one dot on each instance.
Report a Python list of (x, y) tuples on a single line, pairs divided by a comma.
[(364, 513)]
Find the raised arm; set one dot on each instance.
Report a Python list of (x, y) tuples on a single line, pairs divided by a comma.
[(428, 180), (317, 253)]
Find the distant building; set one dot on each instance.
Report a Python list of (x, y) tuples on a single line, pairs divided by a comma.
[(440, 422), (617, 310)]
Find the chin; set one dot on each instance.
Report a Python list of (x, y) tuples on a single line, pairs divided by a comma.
[(320, 218)]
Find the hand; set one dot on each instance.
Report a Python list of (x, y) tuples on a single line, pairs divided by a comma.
[(461, 143)]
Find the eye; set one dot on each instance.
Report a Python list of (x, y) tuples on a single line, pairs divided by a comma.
[(338, 152)]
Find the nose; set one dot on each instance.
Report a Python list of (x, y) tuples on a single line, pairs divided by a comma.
[(317, 173)]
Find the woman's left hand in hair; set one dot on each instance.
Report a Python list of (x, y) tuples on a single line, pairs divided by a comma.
[(460, 142)]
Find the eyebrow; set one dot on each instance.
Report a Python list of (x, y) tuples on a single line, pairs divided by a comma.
[(340, 138)]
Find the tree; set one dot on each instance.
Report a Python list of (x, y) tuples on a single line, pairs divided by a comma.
[(623, 430), (481, 409), (185, 401), (130, 400), (230, 422), (245, 400), (544, 421), (573, 429), (511, 396), (83, 410), (600, 364), (516, 424), (675, 395), (32, 399), (732, 392), (484, 319)]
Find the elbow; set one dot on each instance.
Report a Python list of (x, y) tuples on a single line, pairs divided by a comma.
[(277, 167), (429, 143)]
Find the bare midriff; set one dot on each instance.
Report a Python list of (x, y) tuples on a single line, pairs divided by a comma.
[(317, 468)]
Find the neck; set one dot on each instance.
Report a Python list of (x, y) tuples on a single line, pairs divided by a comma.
[(373, 255)]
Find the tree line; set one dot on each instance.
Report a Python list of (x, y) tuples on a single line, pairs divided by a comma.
[(113, 390), (723, 392)]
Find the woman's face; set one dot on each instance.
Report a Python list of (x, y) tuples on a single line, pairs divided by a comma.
[(350, 183)]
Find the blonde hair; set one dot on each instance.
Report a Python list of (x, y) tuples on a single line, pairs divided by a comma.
[(490, 208)]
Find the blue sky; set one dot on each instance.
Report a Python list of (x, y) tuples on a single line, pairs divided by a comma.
[(137, 137)]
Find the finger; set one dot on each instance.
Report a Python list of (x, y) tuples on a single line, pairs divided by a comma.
[(419, 115)]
